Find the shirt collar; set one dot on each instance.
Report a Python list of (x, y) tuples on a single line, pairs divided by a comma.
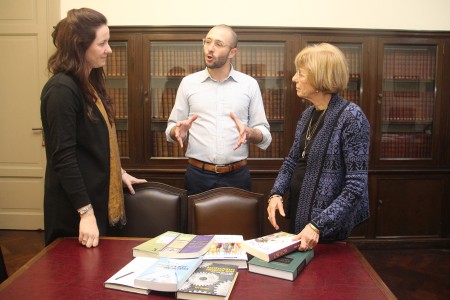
[(234, 75)]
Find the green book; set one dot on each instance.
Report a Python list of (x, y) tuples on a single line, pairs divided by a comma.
[(286, 267)]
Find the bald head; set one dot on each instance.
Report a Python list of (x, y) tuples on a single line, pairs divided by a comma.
[(225, 34)]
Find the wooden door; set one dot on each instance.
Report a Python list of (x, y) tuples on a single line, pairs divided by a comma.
[(25, 27)]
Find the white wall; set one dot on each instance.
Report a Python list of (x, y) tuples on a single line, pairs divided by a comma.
[(380, 14)]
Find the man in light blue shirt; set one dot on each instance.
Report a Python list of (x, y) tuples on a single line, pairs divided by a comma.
[(219, 110)]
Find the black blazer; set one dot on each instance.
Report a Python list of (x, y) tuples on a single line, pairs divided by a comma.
[(78, 160)]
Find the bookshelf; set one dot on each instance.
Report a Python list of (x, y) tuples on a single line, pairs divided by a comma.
[(398, 78), (117, 86), (170, 60), (408, 100)]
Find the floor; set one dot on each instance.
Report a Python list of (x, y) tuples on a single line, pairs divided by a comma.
[(409, 273)]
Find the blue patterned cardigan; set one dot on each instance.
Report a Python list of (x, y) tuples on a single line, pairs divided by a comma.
[(334, 193)]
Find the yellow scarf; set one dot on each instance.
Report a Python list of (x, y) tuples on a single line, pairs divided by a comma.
[(116, 208)]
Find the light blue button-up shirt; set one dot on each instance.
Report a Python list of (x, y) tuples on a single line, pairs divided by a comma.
[(214, 134)]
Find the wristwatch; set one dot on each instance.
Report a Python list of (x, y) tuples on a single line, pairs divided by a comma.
[(85, 209)]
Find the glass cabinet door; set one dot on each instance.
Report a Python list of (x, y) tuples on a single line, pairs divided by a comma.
[(265, 62), (407, 101), (354, 54), (169, 61), (116, 72)]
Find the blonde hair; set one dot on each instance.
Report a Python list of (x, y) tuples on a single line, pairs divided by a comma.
[(326, 67)]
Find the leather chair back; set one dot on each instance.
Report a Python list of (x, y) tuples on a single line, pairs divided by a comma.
[(226, 210), (154, 209)]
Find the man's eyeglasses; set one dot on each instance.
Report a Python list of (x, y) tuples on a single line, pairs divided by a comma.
[(217, 44)]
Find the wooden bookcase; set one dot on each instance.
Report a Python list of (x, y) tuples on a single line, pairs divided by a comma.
[(397, 77)]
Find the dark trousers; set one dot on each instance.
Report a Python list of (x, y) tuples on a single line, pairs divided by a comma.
[(197, 180)]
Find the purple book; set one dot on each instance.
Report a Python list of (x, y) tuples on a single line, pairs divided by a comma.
[(187, 246)]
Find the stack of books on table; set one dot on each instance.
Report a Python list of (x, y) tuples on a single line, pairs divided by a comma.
[(206, 266), (172, 259), (276, 255)]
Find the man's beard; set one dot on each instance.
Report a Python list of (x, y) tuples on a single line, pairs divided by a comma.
[(218, 63)]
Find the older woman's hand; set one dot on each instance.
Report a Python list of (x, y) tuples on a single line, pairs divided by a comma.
[(309, 238), (275, 203)]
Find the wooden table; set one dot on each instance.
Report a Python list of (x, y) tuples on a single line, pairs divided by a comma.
[(67, 270)]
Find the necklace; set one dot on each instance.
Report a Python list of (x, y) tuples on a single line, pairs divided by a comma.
[(310, 132)]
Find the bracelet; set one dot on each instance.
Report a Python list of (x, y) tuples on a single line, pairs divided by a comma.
[(275, 195), (314, 228), (85, 209)]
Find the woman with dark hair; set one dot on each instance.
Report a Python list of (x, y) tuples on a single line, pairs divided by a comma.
[(326, 170), (83, 181)]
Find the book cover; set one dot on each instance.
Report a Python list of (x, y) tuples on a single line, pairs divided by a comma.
[(123, 280), (271, 246), (286, 267), (152, 247), (167, 274), (227, 249), (187, 246), (209, 281)]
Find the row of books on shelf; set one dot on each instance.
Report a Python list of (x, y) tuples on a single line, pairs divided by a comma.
[(273, 101), (122, 141), (417, 106), (353, 56), (410, 64), (164, 100), (119, 97), (274, 150), (405, 145), (163, 148), (175, 61), (260, 60), (116, 62), (179, 61), (206, 266), (352, 95)]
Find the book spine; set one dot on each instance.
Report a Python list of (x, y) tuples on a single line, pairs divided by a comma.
[(284, 251), (299, 269)]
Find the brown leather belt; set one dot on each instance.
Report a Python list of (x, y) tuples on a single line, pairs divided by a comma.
[(219, 169)]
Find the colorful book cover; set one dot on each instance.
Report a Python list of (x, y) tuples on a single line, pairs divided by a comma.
[(210, 280), (152, 247), (187, 246), (227, 249), (167, 274), (286, 267), (123, 280), (271, 246)]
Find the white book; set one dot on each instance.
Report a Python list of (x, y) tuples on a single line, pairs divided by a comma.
[(227, 249), (123, 280)]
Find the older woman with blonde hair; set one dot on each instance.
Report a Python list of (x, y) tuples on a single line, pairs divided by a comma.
[(326, 171)]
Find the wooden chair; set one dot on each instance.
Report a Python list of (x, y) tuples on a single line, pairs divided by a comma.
[(154, 209), (226, 210)]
